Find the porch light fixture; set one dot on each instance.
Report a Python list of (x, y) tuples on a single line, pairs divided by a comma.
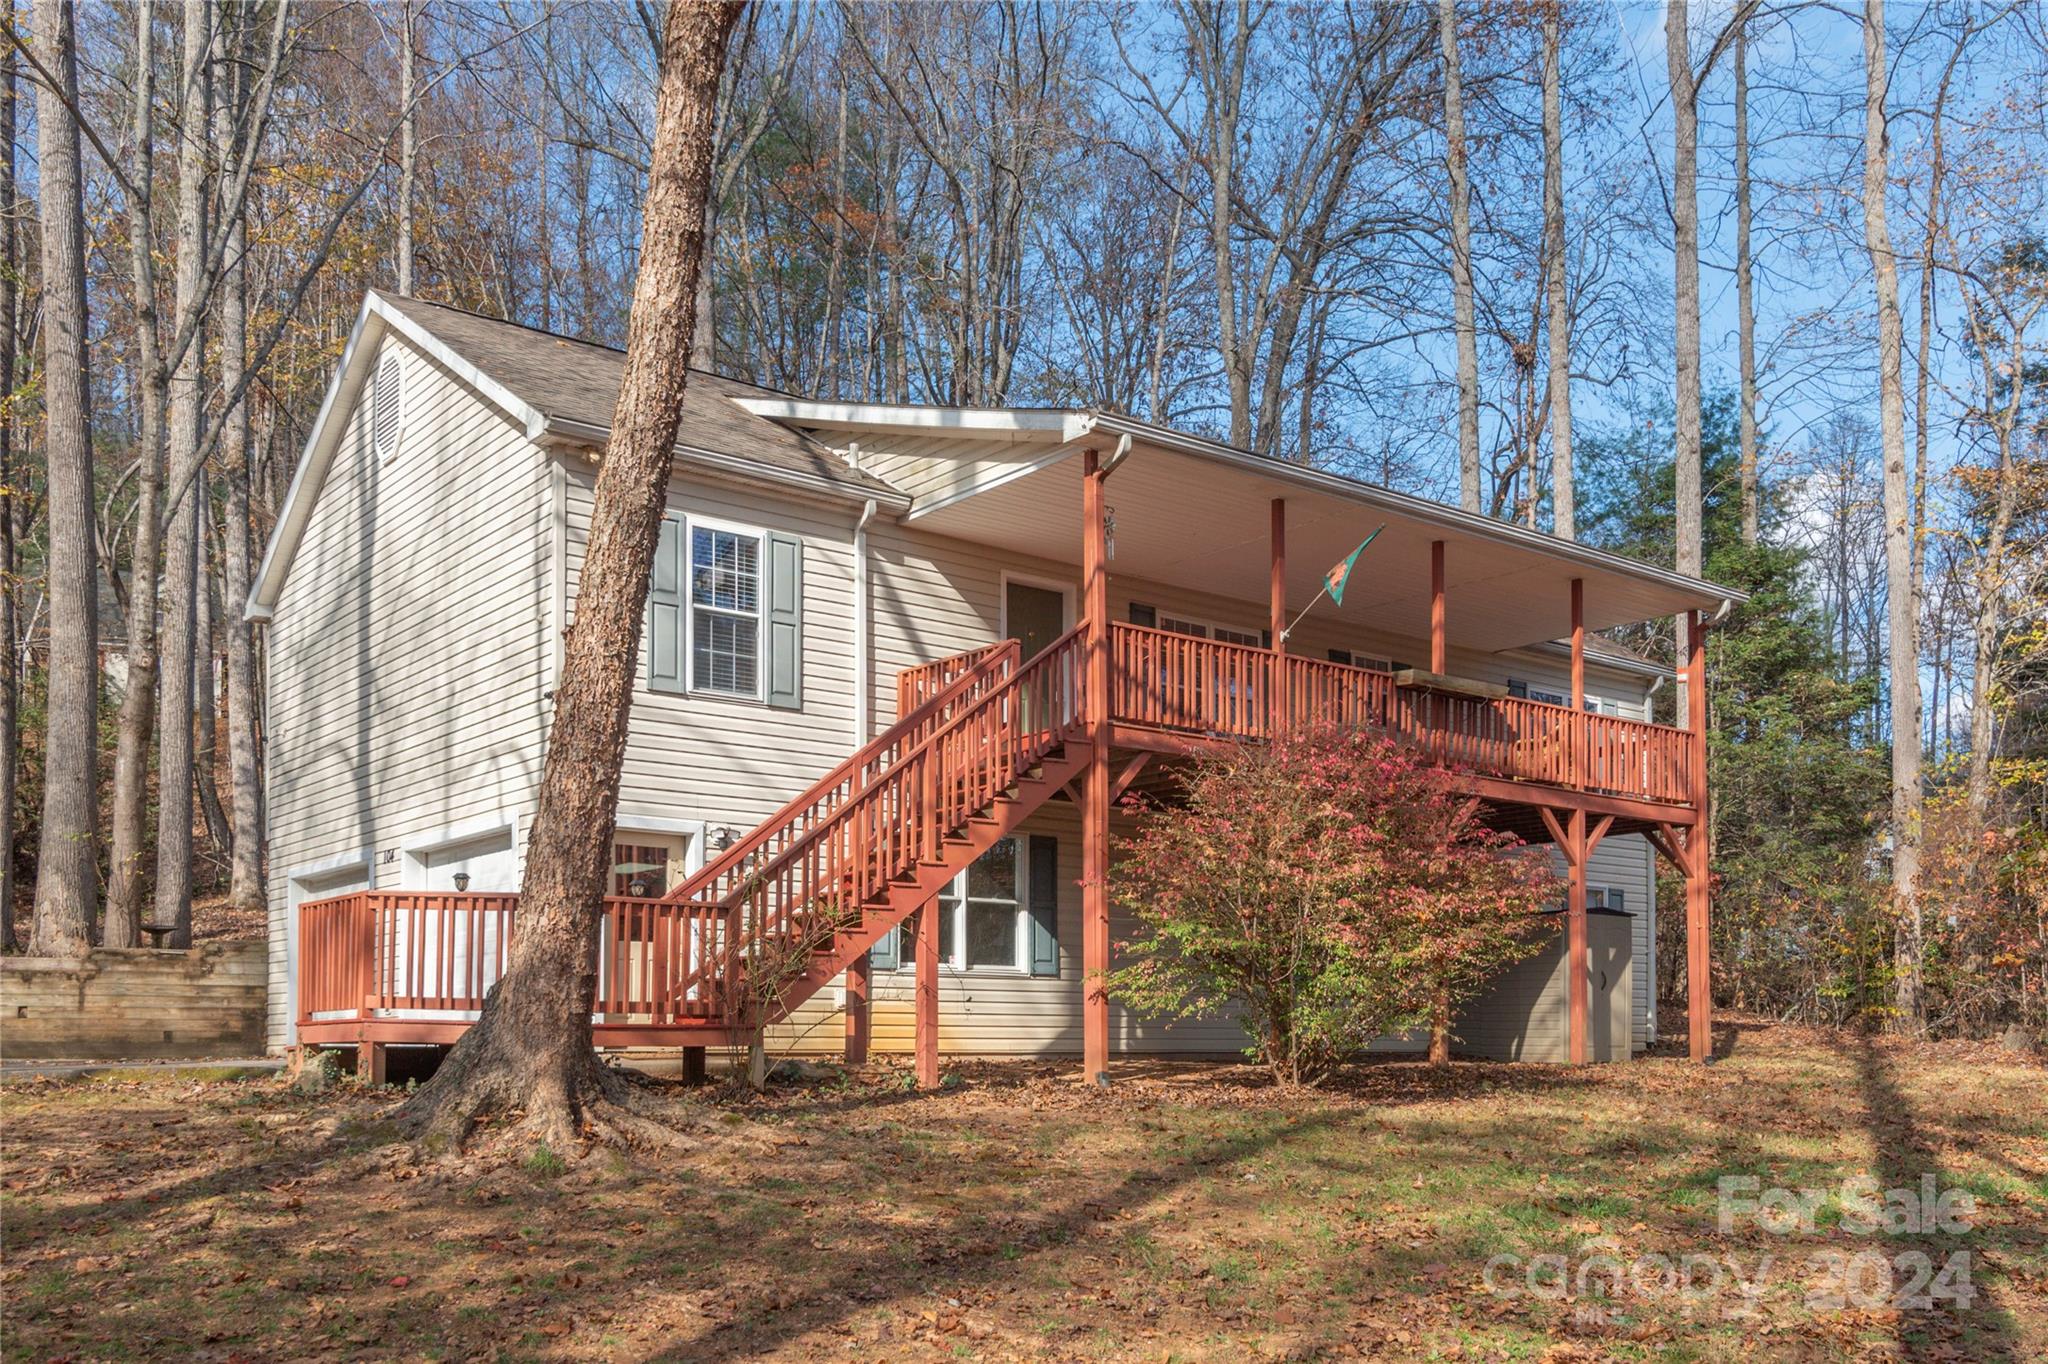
[(461, 882), (723, 837), (637, 887)]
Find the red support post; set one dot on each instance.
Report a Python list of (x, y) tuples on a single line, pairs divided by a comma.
[(857, 981), (1095, 781), (1575, 935), (1580, 777), (1439, 647), (925, 947), (1699, 967), (1278, 616)]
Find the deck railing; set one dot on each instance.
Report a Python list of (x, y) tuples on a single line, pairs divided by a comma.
[(1190, 685), (422, 952)]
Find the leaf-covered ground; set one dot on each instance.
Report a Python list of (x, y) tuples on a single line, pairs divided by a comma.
[(1189, 1213)]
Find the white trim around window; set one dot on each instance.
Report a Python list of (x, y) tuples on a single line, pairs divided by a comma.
[(956, 904), (758, 616)]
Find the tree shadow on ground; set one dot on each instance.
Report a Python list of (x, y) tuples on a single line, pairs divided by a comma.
[(1904, 1156)]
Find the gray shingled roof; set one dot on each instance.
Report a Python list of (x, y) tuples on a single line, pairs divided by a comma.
[(578, 381)]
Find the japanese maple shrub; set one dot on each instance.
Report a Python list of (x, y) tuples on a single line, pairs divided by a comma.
[(1325, 889)]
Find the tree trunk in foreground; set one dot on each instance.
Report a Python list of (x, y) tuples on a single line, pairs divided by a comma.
[(1901, 598), (531, 1048), (1461, 259), (129, 831), (1745, 294), (67, 875), (177, 645), (1685, 253), (10, 718), (1557, 316)]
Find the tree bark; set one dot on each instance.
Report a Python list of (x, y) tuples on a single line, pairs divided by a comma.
[(10, 681), (1461, 259), (531, 1048), (1745, 304), (67, 881), (1685, 251), (173, 898), (128, 855), (408, 143), (1557, 319), (205, 713), (246, 891), (1902, 595)]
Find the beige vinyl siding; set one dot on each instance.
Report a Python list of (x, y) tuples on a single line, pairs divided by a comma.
[(407, 651), (720, 759)]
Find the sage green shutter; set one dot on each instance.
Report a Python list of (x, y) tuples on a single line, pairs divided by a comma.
[(886, 954), (667, 609), (785, 622), (1044, 889)]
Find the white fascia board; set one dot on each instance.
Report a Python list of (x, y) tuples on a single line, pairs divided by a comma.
[(376, 318), (1416, 508), (1027, 423)]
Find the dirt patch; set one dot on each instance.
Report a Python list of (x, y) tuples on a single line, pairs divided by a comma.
[(1191, 1212)]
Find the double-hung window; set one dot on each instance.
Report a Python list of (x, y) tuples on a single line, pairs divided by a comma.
[(1000, 914), (725, 611)]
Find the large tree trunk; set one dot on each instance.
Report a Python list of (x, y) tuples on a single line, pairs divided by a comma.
[(10, 681), (205, 703), (1461, 259), (1685, 252), (1902, 595), (1745, 306), (67, 880), (1557, 317), (245, 780), (181, 534), (127, 879), (531, 1048)]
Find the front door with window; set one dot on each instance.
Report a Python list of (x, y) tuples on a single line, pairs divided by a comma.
[(1033, 616)]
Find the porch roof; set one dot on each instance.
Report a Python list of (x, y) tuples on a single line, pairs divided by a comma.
[(1196, 512)]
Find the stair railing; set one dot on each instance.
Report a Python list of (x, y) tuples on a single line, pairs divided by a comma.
[(903, 814), (971, 676)]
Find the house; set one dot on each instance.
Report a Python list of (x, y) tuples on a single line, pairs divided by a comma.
[(899, 664)]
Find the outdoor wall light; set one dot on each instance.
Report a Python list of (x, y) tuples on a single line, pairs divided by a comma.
[(461, 881), (723, 838), (637, 887)]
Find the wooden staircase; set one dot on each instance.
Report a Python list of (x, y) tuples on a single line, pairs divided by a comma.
[(801, 897)]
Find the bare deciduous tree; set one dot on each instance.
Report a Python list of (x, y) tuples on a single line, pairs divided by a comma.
[(67, 875)]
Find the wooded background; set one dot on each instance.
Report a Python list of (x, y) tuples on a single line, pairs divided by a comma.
[(1754, 291)]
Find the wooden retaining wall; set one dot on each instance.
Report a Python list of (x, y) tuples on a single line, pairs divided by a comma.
[(134, 1003)]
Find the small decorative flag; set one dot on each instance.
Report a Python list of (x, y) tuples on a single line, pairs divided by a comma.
[(1340, 572)]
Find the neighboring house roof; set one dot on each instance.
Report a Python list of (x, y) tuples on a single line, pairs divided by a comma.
[(560, 391)]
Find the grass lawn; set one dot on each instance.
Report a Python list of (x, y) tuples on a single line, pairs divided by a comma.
[(1189, 1213)]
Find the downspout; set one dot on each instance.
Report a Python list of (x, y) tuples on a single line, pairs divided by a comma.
[(863, 639)]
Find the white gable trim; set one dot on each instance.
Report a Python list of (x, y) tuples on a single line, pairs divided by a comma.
[(376, 318), (1018, 423)]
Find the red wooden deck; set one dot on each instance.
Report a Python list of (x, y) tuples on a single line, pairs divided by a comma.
[(854, 854)]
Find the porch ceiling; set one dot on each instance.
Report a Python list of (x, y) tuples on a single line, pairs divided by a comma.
[(1202, 521)]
